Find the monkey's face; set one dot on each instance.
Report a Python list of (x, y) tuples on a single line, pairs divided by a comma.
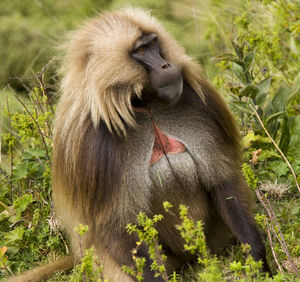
[(165, 79)]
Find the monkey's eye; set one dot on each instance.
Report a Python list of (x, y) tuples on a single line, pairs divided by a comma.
[(153, 42), (140, 50)]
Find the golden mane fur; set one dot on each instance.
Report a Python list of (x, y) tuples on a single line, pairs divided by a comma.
[(94, 80)]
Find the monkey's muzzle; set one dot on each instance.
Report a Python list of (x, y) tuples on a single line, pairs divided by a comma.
[(165, 79), (167, 82)]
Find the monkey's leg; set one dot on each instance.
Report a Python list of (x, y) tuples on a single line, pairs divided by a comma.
[(229, 203)]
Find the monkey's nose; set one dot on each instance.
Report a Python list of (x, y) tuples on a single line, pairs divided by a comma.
[(166, 66)]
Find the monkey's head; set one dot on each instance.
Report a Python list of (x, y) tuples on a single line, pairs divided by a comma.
[(165, 79), (119, 59)]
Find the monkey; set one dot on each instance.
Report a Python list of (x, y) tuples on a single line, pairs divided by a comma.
[(137, 124)]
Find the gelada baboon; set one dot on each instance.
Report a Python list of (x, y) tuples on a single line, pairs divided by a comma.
[(138, 125)]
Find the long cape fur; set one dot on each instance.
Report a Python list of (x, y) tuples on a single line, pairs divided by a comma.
[(93, 115)]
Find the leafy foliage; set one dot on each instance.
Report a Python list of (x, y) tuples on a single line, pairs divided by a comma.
[(89, 268), (28, 232), (147, 235)]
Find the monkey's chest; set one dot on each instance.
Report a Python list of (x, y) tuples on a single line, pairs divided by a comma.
[(174, 172), (169, 163), (164, 145)]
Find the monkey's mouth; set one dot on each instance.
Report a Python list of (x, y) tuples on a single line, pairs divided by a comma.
[(170, 92), (137, 103), (164, 95)]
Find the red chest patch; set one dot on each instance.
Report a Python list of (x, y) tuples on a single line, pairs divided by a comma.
[(163, 144)]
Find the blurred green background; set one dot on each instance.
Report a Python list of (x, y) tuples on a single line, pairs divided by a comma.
[(30, 30)]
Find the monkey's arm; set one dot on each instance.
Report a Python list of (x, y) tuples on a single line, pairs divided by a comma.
[(45, 271), (227, 201)]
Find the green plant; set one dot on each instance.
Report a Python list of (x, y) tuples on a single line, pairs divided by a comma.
[(28, 232), (265, 67), (147, 235), (194, 243), (251, 179), (272, 106), (89, 267)]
